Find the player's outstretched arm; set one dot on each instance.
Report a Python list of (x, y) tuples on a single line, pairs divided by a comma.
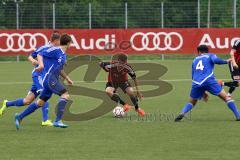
[(139, 94), (133, 75), (233, 59), (66, 77), (105, 66), (219, 61), (40, 63), (32, 60)]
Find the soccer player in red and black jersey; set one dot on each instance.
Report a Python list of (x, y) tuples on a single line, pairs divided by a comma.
[(234, 67), (118, 71)]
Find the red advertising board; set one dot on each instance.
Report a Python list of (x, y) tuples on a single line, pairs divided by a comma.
[(129, 41)]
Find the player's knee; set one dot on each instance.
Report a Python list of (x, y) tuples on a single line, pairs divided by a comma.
[(193, 101), (40, 102), (130, 91), (65, 96), (109, 91), (227, 98), (223, 95), (27, 101)]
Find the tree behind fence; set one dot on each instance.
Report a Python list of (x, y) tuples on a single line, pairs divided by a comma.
[(119, 14)]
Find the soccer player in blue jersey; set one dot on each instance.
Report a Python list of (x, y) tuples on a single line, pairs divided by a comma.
[(36, 87), (204, 80), (51, 61)]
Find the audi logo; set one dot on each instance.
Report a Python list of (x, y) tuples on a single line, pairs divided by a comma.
[(158, 38), (22, 45)]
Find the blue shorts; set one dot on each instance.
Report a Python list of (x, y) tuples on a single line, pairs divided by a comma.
[(52, 86), (211, 86), (37, 87)]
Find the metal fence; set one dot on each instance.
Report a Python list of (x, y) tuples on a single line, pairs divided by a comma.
[(20, 14)]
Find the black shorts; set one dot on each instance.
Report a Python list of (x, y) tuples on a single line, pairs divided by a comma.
[(123, 85), (235, 73)]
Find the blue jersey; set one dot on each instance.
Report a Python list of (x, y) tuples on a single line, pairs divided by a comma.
[(34, 55), (53, 59), (203, 66)]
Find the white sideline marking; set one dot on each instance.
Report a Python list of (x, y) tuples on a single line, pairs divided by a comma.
[(166, 80)]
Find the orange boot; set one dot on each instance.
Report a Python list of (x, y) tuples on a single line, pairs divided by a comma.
[(140, 112), (126, 107)]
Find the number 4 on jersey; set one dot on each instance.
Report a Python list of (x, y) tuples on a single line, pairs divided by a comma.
[(200, 66)]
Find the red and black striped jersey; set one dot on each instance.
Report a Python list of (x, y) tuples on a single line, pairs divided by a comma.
[(236, 47), (118, 72)]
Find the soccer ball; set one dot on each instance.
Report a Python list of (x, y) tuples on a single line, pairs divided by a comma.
[(118, 112)]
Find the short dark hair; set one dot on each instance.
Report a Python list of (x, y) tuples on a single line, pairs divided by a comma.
[(122, 57), (65, 39), (55, 36), (202, 48)]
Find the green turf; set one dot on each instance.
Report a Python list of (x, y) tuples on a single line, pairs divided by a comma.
[(210, 133)]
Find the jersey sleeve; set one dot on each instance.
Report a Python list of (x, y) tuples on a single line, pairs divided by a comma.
[(34, 54), (103, 65), (236, 44), (217, 60), (192, 70), (131, 73)]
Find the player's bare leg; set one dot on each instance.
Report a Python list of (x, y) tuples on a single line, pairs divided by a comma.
[(19, 102), (40, 103), (115, 97), (205, 97), (134, 99), (230, 103), (192, 102), (29, 98), (110, 91)]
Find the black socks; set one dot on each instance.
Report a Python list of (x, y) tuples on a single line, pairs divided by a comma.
[(117, 99), (134, 101)]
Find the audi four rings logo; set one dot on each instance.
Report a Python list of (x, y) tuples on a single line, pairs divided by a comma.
[(156, 41), (140, 41), (21, 41)]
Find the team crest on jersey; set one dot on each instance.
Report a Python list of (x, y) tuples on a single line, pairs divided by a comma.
[(59, 60)]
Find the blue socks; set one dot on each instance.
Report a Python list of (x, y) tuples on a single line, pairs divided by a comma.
[(60, 109), (230, 105), (233, 108), (45, 111), (17, 102), (187, 108), (30, 109)]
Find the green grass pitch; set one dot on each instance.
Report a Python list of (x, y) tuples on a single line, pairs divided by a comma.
[(211, 133)]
